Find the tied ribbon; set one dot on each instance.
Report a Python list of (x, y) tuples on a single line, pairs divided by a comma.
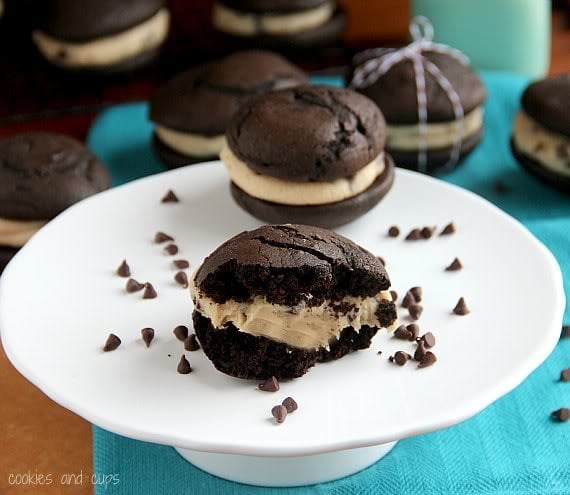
[(377, 61)]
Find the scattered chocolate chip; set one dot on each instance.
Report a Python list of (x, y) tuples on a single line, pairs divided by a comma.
[(401, 358), (428, 360), (461, 308), (417, 292), (169, 197), (382, 260), (413, 330), (184, 367), (448, 229), (414, 235), (427, 232), (124, 270), (415, 311), (269, 385), (191, 343), (161, 237), (149, 292), (147, 335), (290, 404), (562, 414), (181, 332), (133, 286), (565, 375), (394, 295), (428, 339), (279, 413), (408, 300), (393, 231), (454, 266), (501, 188), (182, 279), (565, 332), (391, 359), (420, 351), (402, 333), (379, 353), (181, 264), (171, 249), (111, 343)]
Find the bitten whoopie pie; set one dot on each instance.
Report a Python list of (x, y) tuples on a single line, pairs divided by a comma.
[(541, 133), (102, 35), (276, 300), (396, 93), (311, 155), (280, 23), (41, 174), (193, 110)]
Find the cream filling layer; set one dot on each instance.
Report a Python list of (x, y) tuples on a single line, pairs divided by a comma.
[(438, 135), (299, 193), (108, 50), (304, 327), (15, 233), (549, 148), (242, 24), (190, 144)]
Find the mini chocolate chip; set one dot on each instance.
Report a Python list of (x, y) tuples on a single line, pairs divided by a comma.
[(448, 229), (133, 286), (428, 339), (501, 188), (402, 333), (191, 343), (181, 264), (565, 332), (182, 279), (420, 350), (562, 414), (161, 237), (427, 232), (181, 332), (461, 308), (414, 235), (171, 249), (149, 291), (184, 367), (414, 331), (382, 260), (417, 292), (401, 358), (391, 359), (147, 335), (379, 353), (408, 300), (428, 360), (454, 266), (111, 343), (415, 311), (124, 270), (169, 197), (269, 385), (565, 375), (394, 295), (393, 231), (290, 404), (279, 413)]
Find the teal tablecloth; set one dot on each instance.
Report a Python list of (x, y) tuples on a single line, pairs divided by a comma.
[(510, 448)]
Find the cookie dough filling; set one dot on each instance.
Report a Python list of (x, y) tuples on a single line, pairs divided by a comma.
[(15, 233), (438, 135), (245, 24), (549, 148), (108, 50), (300, 193), (302, 326), (191, 144)]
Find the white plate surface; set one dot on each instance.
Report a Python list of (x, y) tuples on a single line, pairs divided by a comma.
[(60, 299)]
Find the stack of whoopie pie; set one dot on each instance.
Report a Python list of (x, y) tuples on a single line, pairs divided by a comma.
[(193, 110), (311, 155), (102, 35)]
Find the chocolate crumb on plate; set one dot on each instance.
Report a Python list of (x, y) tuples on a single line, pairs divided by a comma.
[(393, 231), (124, 270), (414, 331), (171, 249), (415, 311), (184, 367), (565, 332), (133, 286), (111, 343), (161, 237), (427, 232), (428, 339), (394, 295), (269, 385), (149, 291), (565, 375), (169, 197), (428, 360), (448, 229), (414, 235), (181, 332), (417, 292), (562, 414), (191, 343), (147, 335), (290, 404), (279, 413), (402, 333), (408, 300), (379, 353), (454, 266), (401, 358), (182, 279), (181, 264), (461, 308)]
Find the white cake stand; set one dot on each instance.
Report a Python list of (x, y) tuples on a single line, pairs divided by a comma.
[(60, 299)]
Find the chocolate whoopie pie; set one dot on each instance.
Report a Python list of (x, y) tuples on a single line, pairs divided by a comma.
[(395, 92), (102, 35), (541, 132), (311, 154), (41, 174), (193, 110), (276, 300), (280, 23)]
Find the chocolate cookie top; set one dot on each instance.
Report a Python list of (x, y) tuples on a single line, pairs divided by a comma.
[(204, 99), (548, 102), (309, 133), (273, 6), (290, 264), (81, 20), (396, 95), (41, 174)]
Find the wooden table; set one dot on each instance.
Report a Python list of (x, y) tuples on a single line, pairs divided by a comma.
[(36, 435)]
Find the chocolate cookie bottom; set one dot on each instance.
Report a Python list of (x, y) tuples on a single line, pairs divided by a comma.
[(6, 254), (172, 159), (246, 356), (545, 175), (328, 215)]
